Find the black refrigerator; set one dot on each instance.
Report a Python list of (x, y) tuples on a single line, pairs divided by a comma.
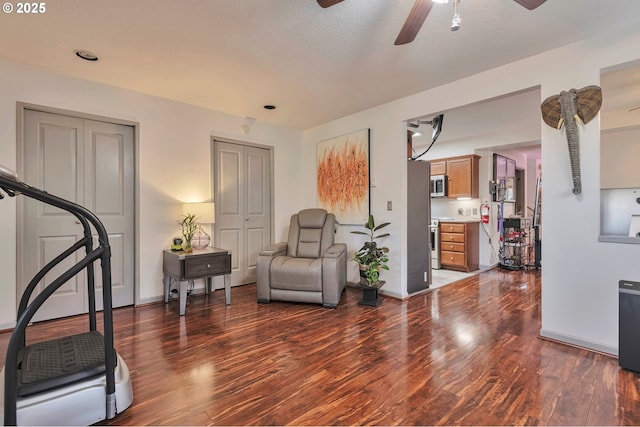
[(418, 221)]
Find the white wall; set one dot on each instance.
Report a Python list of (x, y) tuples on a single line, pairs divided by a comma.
[(579, 275), (619, 154), (173, 163)]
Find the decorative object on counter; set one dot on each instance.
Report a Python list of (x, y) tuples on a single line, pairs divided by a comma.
[(371, 258), (177, 244), (566, 108), (343, 176), (189, 227), (205, 213)]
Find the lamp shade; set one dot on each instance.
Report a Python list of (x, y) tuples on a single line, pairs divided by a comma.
[(205, 213)]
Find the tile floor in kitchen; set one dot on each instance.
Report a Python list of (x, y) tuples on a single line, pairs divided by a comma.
[(440, 277)]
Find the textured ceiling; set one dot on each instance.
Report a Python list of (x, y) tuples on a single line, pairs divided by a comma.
[(314, 64)]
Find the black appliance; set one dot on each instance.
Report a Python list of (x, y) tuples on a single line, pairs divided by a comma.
[(628, 321)]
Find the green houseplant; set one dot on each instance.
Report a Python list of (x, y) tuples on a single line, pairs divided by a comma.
[(371, 257), (189, 228)]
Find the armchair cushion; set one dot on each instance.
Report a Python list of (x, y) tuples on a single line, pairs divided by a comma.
[(303, 274)]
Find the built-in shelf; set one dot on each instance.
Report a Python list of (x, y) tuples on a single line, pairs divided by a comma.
[(619, 239)]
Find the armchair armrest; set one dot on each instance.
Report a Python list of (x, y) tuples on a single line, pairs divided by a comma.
[(275, 249), (335, 251), (263, 267), (334, 274)]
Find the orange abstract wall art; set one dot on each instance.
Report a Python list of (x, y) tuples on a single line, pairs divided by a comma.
[(343, 177)]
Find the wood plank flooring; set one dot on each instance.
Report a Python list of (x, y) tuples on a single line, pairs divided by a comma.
[(464, 354)]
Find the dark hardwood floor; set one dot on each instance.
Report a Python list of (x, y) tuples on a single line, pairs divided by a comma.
[(465, 354)]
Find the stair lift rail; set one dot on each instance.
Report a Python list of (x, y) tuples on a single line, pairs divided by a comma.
[(10, 184)]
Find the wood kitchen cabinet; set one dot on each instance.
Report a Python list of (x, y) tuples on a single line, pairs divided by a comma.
[(438, 167), (459, 245), (462, 175)]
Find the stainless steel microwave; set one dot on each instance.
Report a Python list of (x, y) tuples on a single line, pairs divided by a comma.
[(439, 186)]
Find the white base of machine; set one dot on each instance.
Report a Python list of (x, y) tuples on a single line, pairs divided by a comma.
[(79, 404)]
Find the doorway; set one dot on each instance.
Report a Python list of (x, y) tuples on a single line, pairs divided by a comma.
[(89, 162), (520, 192), (243, 191)]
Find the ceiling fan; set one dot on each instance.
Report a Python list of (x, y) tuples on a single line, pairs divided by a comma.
[(419, 13)]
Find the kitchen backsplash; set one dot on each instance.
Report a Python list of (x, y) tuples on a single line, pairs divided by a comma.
[(443, 207), (452, 208)]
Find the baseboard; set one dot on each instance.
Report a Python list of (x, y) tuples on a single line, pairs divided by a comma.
[(149, 300), (7, 327), (483, 267), (578, 342)]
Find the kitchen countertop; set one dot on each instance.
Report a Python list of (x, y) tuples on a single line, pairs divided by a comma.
[(459, 219)]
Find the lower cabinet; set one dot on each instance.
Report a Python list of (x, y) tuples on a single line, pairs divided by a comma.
[(459, 245)]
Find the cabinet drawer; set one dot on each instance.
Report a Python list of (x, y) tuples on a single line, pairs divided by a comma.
[(201, 266), (452, 258), (451, 228), (451, 237), (452, 247)]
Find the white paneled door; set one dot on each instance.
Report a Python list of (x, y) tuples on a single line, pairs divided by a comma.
[(243, 205), (90, 163)]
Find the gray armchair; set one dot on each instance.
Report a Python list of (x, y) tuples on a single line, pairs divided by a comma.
[(310, 267)]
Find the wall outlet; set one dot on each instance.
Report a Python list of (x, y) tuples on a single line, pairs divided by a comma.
[(467, 212), (475, 211)]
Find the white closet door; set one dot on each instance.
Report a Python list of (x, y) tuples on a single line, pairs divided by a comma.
[(89, 163), (243, 205)]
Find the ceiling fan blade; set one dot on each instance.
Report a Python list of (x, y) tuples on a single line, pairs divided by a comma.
[(418, 14), (530, 4), (634, 108), (328, 3)]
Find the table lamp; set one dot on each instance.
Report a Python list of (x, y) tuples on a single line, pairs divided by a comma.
[(205, 213)]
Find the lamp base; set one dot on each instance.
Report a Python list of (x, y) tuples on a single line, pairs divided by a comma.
[(201, 239)]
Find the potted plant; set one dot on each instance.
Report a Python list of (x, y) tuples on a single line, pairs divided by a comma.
[(371, 258), (189, 228)]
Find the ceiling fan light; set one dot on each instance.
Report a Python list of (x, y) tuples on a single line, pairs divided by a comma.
[(455, 23)]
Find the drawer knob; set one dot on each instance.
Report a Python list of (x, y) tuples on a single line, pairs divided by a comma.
[(451, 258)]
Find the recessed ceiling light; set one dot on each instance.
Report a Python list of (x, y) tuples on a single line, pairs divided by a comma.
[(86, 55), (269, 107)]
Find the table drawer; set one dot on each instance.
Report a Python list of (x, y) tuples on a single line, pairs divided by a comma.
[(452, 258), (453, 247), (451, 228), (202, 266), (451, 237)]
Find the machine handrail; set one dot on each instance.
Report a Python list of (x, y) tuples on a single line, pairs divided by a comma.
[(87, 242), (10, 183)]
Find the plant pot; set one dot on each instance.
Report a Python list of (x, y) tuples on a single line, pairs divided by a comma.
[(363, 276)]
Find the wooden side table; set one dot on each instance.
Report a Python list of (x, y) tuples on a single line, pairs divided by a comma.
[(199, 264)]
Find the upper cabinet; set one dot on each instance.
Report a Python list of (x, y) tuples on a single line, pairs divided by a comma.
[(462, 174), (438, 167)]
